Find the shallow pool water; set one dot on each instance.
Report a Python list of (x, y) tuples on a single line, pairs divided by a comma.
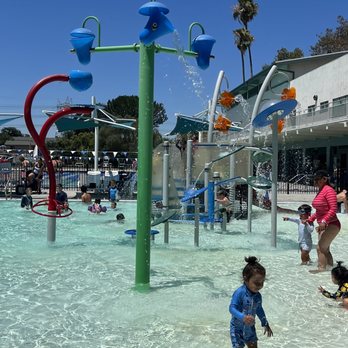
[(78, 292)]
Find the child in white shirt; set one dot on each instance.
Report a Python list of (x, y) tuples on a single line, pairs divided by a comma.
[(305, 230)]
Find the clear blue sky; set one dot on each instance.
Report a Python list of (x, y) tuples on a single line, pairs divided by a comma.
[(35, 43)]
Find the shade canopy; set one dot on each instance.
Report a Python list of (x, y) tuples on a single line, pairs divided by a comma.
[(8, 117), (80, 122), (186, 124)]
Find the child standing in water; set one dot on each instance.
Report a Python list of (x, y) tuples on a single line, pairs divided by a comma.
[(113, 192), (27, 199), (339, 276), (223, 200), (246, 303), (305, 230)]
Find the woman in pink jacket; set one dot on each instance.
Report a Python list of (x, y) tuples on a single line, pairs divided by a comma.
[(325, 203)]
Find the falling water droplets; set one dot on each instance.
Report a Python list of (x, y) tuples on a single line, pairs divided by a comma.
[(191, 72)]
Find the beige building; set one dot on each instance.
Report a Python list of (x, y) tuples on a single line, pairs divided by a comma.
[(315, 135)]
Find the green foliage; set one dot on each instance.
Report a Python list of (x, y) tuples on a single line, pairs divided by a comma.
[(284, 54), (244, 12), (127, 107), (7, 133), (243, 39), (73, 141), (333, 40)]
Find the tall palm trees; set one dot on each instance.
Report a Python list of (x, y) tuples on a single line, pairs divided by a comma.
[(243, 40), (244, 11)]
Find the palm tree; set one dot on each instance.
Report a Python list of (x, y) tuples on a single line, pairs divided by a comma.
[(244, 12), (243, 40)]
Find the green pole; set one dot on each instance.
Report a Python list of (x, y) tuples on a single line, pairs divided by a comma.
[(145, 148)]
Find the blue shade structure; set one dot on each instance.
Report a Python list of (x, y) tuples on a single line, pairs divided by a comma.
[(157, 25), (82, 41), (8, 117), (187, 124)]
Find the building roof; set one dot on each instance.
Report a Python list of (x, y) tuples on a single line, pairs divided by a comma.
[(22, 141), (293, 67)]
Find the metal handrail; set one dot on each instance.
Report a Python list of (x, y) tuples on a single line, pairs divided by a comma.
[(318, 116), (298, 177)]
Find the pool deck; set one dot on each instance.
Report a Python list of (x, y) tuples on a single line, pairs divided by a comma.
[(296, 197)]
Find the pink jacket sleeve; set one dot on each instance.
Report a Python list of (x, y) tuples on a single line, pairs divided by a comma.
[(312, 218), (331, 199)]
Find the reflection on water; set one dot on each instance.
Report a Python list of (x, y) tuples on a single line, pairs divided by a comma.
[(79, 292)]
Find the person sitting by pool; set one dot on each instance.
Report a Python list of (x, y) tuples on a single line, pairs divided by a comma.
[(120, 218), (27, 199), (85, 197), (62, 197), (34, 178), (96, 207), (24, 162), (339, 276)]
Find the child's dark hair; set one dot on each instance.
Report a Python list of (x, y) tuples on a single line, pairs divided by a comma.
[(340, 273), (253, 267), (119, 217), (83, 188), (97, 200), (222, 192), (304, 209)]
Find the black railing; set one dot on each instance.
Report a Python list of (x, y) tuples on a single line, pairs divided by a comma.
[(71, 176), (291, 188), (299, 183)]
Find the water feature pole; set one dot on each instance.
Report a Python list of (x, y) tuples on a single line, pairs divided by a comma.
[(251, 138), (274, 178), (212, 107), (145, 146), (80, 81), (199, 48), (96, 137), (206, 181), (188, 163), (196, 231), (165, 188)]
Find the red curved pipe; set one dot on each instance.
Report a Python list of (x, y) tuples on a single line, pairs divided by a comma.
[(39, 139)]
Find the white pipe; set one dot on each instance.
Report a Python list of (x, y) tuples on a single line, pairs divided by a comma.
[(251, 138), (196, 231), (96, 136), (274, 181), (213, 106), (189, 163), (206, 182), (51, 227), (165, 191), (232, 194)]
